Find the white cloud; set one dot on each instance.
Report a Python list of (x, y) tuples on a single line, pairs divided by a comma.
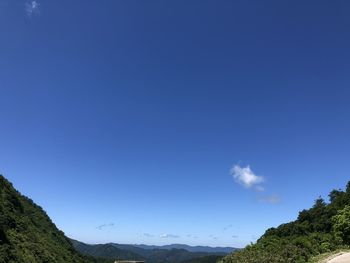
[(168, 236), (246, 177), (271, 199), (32, 7), (148, 235)]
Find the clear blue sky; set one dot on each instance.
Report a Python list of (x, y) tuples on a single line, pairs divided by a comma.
[(157, 122)]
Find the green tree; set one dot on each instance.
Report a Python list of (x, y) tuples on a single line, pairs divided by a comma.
[(322, 228), (341, 224)]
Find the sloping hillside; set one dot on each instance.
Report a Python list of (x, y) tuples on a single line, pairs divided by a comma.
[(27, 234), (322, 228), (206, 259)]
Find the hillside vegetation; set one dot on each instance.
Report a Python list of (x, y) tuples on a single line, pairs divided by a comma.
[(324, 227), (207, 259), (28, 235)]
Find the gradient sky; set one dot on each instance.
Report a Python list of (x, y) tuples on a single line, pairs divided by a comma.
[(198, 122)]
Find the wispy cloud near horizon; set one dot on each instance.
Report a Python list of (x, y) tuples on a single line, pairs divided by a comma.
[(169, 236), (104, 226)]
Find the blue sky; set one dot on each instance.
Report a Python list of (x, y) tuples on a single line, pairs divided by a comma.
[(157, 122)]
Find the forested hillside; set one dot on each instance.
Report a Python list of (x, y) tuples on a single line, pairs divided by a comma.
[(28, 235), (322, 228)]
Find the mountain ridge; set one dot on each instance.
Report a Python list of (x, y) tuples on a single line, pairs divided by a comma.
[(151, 254), (190, 248)]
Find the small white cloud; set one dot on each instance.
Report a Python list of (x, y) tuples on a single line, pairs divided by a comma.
[(169, 236), (271, 199), (148, 235), (32, 7), (234, 236), (246, 177)]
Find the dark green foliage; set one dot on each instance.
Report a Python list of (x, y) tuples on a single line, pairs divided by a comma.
[(341, 225), (27, 234), (322, 228), (172, 255), (207, 259)]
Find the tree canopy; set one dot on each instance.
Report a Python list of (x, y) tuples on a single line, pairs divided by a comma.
[(322, 228)]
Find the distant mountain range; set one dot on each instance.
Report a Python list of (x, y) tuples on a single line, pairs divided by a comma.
[(27, 234), (206, 249), (105, 251), (175, 253)]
